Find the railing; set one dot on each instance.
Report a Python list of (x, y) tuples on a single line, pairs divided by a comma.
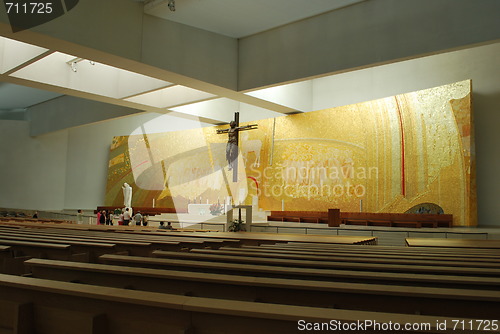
[(87, 219), (392, 237), (204, 226)]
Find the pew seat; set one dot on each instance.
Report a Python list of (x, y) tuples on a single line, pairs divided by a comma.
[(60, 307), (344, 295), (282, 271), (376, 267), (425, 261), (454, 243)]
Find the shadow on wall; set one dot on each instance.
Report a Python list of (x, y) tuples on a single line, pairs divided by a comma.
[(486, 114)]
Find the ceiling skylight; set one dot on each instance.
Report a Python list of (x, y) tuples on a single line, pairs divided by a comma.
[(295, 95), (13, 54), (223, 109), (63, 70), (171, 96)]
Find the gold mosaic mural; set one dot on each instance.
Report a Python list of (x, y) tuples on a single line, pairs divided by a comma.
[(386, 155)]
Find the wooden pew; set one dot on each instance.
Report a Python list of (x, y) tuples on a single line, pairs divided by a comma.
[(227, 237), (56, 251), (133, 247), (60, 307), (282, 271), (38, 221), (454, 243), (159, 241), (376, 267), (188, 242), (4, 249), (249, 238), (93, 249), (388, 249), (347, 254), (383, 298), (389, 219), (454, 262), (319, 217), (5, 253), (24, 250)]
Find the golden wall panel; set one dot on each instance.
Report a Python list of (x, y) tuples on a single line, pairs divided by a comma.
[(386, 155)]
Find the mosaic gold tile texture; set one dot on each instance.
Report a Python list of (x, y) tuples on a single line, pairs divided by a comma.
[(386, 155)]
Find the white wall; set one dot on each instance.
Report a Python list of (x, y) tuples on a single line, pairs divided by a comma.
[(31, 169), (481, 64), (88, 153), (67, 169), (368, 33)]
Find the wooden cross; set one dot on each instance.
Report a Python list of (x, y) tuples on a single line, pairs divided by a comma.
[(233, 141)]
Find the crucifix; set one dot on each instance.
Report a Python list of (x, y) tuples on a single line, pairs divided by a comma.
[(233, 141)]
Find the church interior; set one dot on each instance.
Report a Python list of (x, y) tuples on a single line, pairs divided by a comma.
[(322, 166)]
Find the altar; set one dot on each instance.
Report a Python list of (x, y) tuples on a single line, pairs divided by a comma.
[(199, 209), (204, 209)]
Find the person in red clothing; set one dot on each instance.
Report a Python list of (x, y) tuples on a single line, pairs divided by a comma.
[(102, 218), (120, 218)]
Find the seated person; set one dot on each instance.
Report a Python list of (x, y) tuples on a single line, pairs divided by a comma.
[(167, 227)]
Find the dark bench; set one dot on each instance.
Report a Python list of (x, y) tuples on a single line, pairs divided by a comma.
[(454, 243), (337, 217), (378, 267), (383, 298), (133, 246), (60, 307), (249, 238), (23, 250), (5, 253), (453, 262), (92, 248), (299, 216), (318, 274), (37, 249), (394, 253), (186, 239), (424, 251)]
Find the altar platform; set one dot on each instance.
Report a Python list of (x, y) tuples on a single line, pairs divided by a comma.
[(387, 236)]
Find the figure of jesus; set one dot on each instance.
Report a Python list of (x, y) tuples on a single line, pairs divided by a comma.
[(232, 141), (232, 144), (127, 195)]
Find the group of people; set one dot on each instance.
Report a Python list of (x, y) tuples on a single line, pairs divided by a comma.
[(122, 217), (104, 217)]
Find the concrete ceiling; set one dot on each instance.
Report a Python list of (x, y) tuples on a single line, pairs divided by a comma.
[(240, 18), (232, 18), (15, 97), (212, 57)]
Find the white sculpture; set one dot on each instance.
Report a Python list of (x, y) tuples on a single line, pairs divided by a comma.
[(127, 195)]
